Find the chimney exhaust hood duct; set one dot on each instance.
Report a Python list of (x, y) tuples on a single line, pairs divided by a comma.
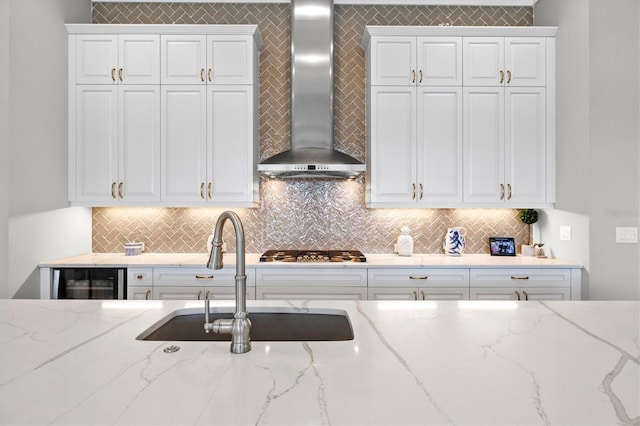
[(312, 153)]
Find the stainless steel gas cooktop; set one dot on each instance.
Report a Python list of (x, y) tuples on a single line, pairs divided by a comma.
[(313, 256)]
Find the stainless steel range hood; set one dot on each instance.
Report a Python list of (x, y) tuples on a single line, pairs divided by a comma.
[(312, 153)]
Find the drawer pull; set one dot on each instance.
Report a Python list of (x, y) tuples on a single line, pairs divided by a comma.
[(139, 277), (204, 277), (206, 295), (515, 277), (424, 295), (526, 295), (200, 294), (518, 294), (414, 277), (415, 295), (147, 294)]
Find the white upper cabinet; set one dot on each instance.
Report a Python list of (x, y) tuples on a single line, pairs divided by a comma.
[(505, 61), (460, 116), (163, 115), (201, 59), (423, 61), (118, 59)]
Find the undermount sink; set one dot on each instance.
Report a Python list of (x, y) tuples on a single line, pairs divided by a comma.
[(267, 325)]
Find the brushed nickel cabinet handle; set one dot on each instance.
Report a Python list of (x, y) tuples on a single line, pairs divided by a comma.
[(200, 294), (120, 74), (420, 80), (519, 277), (209, 74), (518, 294), (416, 277), (508, 77), (201, 74), (113, 190), (113, 74), (204, 277), (424, 295), (502, 191), (421, 191), (147, 294), (202, 190), (413, 76), (120, 190), (413, 197), (209, 190), (501, 76), (415, 295), (509, 190), (526, 295)]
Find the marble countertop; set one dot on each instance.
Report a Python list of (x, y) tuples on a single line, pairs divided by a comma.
[(253, 259), (77, 362)]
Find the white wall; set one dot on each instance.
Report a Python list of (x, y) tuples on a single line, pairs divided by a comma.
[(40, 225), (4, 146), (598, 105)]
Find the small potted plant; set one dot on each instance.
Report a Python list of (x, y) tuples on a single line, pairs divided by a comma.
[(529, 217)]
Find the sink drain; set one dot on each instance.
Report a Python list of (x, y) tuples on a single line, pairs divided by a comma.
[(171, 349)]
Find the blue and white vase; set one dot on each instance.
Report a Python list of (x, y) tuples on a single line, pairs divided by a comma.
[(454, 241)]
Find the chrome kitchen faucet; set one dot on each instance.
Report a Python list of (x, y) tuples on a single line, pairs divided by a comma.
[(239, 327)]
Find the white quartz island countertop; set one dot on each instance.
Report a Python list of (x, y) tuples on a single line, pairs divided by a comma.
[(410, 363)]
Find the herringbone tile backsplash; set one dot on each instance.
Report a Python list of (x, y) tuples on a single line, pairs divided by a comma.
[(306, 214)]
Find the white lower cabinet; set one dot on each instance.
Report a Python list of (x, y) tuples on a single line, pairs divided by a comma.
[(418, 284), (311, 284), (523, 284), (199, 284), (139, 283)]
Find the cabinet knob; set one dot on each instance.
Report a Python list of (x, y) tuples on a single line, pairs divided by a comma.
[(139, 277)]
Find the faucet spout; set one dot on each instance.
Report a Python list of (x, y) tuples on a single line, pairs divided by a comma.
[(239, 327)]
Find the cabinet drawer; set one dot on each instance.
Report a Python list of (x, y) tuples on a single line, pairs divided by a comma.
[(419, 277), (322, 277), (198, 277), (311, 293), (520, 277), (137, 277)]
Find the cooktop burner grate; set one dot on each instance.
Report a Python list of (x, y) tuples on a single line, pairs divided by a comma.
[(313, 256)]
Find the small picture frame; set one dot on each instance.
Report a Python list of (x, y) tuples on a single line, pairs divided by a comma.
[(502, 246)]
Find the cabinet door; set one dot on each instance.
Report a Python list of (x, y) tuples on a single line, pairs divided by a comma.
[(393, 61), (483, 61), (139, 59), (184, 145), (524, 61), (184, 59), (139, 293), (443, 293), (311, 293), (439, 145), (139, 143), (439, 61), (178, 293), (484, 145), (495, 293), (96, 143), (525, 145), (392, 293), (393, 145), (96, 59), (229, 60), (230, 144), (546, 293)]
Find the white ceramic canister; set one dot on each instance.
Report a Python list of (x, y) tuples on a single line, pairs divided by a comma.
[(404, 245), (454, 243)]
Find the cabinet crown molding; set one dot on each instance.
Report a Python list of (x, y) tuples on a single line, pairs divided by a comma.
[(167, 29), (453, 31)]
